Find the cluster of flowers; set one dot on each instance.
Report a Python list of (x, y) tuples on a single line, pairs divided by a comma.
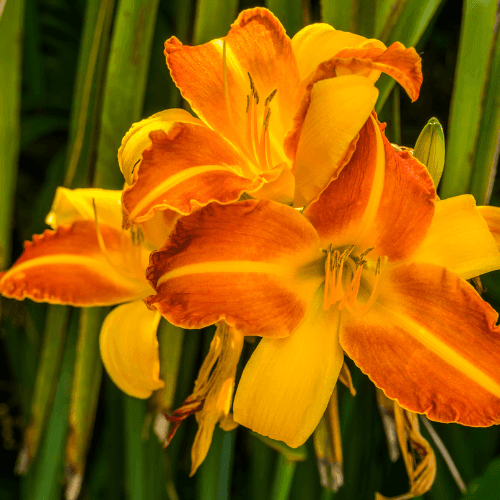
[(282, 212)]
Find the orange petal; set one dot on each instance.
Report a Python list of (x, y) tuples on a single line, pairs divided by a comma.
[(430, 343), (404, 65), (67, 266), (319, 42), (492, 217), (239, 263), (382, 199), (136, 140), (256, 44), (287, 383), (186, 168), (349, 203)]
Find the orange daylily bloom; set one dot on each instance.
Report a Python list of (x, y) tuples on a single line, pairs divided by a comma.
[(79, 264), (376, 266), (263, 101)]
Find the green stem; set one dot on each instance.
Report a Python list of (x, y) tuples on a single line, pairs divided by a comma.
[(283, 478)]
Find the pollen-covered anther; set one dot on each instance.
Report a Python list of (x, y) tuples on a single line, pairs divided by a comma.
[(343, 279)]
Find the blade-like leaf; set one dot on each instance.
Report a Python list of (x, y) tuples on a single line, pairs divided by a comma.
[(213, 18), (488, 143), (471, 78), (88, 88), (125, 84), (11, 28), (289, 12)]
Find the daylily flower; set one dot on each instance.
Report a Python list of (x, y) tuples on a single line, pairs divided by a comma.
[(375, 267), (263, 101), (84, 262)]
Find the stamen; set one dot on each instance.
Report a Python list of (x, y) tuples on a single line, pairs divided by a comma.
[(224, 77), (104, 251), (326, 291), (263, 136), (269, 98)]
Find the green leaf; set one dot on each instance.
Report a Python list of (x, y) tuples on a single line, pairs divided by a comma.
[(213, 479), (485, 487), (84, 395), (89, 81), (46, 380), (289, 12), (471, 79), (125, 84), (213, 19), (11, 29), (341, 14), (488, 143), (408, 29), (45, 480)]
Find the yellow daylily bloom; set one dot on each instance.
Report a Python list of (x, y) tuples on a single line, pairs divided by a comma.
[(263, 101), (82, 261), (375, 267)]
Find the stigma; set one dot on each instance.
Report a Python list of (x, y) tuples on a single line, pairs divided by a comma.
[(346, 274)]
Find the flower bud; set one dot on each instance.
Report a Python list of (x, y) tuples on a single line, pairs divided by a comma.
[(429, 149)]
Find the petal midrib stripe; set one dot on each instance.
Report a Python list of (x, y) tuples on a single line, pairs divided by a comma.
[(446, 353), (94, 264), (236, 266), (172, 182)]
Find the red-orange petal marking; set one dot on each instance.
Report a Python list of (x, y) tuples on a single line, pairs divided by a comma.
[(406, 207), (256, 44), (67, 266), (430, 343), (340, 210), (187, 168), (404, 65), (238, 263)]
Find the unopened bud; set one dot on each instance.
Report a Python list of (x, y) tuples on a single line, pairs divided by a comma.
[(429, 149)]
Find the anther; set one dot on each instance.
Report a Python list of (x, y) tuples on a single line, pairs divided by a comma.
[(248, 103), (269, 98), (266, 119), (365, 253)]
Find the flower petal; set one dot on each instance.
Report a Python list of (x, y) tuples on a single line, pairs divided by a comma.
[(71, 205), (492, 217), (257, 44), (239, 263), (319, 42), (189, 167), (459, 239), (430, 343), (404, 65), (67, 266), (129, 349), (382, 199), (285, 387), (338, 109), (349, 204), (136, 140)]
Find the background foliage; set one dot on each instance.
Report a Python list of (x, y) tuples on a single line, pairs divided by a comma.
[(74, 75)]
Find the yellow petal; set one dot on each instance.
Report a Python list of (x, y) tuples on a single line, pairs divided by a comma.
[(136, 140), (129, 349), (286, 385), (459, 239), (71, 205), (339, 108), (492, 217), (318, 42)]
